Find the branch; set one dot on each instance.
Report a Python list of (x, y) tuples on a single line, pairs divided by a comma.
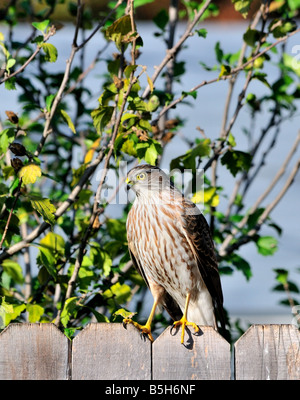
[(225, 248), (17, 195), (224, 77), (170, 53), (100, 24), (33, 55), (75, 49), (59, 212)]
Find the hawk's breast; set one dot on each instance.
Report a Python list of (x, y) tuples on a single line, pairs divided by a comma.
[(158, 241)]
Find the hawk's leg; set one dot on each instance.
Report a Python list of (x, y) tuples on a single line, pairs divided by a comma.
[(145, 329), (183, 321)]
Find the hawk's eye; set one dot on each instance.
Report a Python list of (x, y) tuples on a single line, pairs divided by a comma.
[(141, 176)]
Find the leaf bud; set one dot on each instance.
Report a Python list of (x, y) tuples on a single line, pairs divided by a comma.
[(16, 163), (18, 149)]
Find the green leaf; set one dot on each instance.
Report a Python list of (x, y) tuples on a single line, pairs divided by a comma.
[(54, 243), (242, 6), (35, 312), (41, 26), (242, 265), (121, 293), (280, 28), (106, 262), (202, 32), (128, 147), (10, 84), (292, 63), (129, 69), (120, 31), (281, 275), (219, 52), (231, 140), (117, 229), (225, 70), (124, 313), (68, 120), (251, 36), (236, 161), (68, 310), (161, 19), (7, 136), (193, 93), (101, 117), (99, 317), (262, 77), (267, 245), (10, 63), (49, 101), (14, 270), (188, 160), (45, 208), (46, 259), (50, 52), (149, 151)]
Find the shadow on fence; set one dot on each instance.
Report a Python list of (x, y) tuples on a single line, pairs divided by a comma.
[(108, 352)]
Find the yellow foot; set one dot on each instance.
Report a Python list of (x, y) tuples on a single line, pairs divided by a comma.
[(184, 322), (144, 329)]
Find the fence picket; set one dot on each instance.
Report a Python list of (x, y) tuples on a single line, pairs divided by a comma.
[(268, 352), (206, 356), (108, 352), (33, 352)]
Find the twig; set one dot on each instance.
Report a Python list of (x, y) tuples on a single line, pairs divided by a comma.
[(133, 80), (60, 210), (28, 277), (226, 249), (96, 29), (171, 52), (224, 77), (75, 49), (11, 212), (169, 76), (33, 55)]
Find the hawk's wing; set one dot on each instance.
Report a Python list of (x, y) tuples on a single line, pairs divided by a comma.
[(199, 235), (168, 302)]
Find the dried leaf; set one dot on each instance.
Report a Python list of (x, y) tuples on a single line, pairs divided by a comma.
[(13, 118), (89, 155)]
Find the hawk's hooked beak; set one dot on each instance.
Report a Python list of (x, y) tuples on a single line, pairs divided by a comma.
[(128, 183)]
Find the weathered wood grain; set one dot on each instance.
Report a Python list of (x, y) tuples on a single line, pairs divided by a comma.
[(108, 351), (206, 356), (268, 352), (33, 352)]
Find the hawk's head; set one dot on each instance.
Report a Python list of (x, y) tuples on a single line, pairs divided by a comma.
[(147, 180)]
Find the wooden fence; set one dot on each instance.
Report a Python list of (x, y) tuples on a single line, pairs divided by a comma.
[(109, 352)]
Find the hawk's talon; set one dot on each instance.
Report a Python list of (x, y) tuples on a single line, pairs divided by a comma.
[(145, 330), (184, 322)]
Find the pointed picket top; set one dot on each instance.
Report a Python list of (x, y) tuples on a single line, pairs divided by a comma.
[(205, 356), (33, 352), (268, 352), (109, 351)]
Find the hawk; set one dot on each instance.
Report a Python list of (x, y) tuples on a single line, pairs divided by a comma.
[(171, 246)]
